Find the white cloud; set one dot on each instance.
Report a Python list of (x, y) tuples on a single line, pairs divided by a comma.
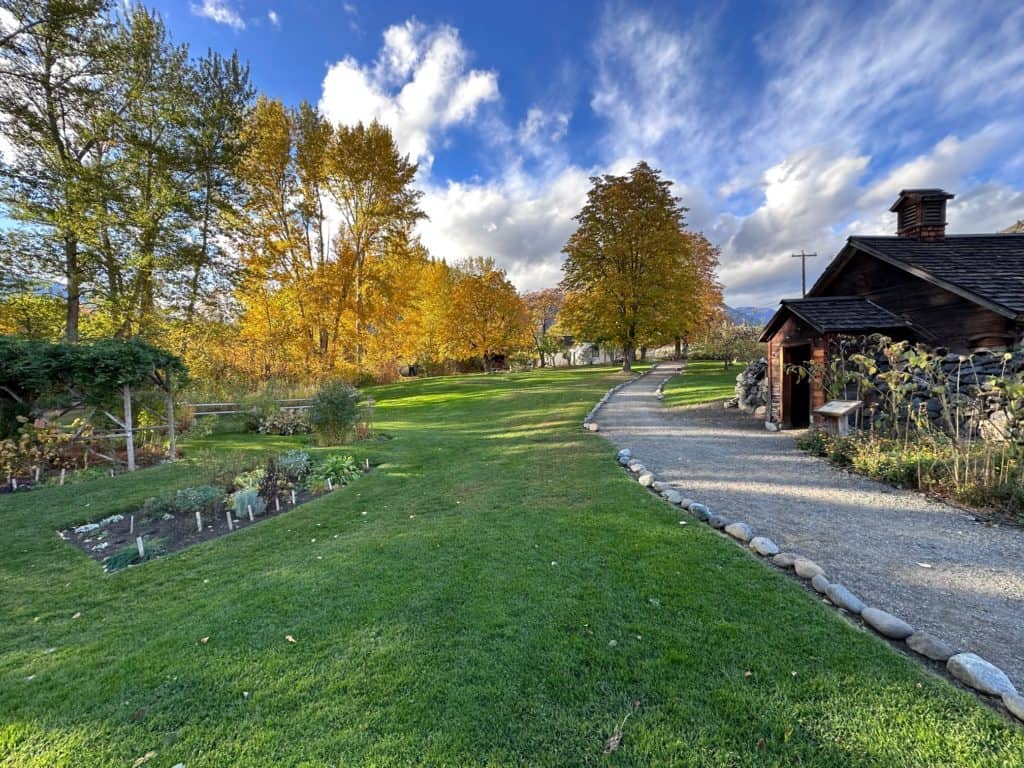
[(274, 18), (521, 222), (650, 86), (847, 107), (420, 85), (219, 11), (852, 105)]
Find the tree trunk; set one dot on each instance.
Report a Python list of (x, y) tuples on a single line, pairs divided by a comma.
[(129, 439), (74, 288), (627, 357), (172, 442), (643, 353), (679, 348)]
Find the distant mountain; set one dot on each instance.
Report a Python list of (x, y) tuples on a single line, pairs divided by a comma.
[(1016, 229), (749, 315)]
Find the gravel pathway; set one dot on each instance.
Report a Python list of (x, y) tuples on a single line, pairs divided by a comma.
[(926, 562)]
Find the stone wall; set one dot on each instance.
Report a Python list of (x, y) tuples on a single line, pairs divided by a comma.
[(978, 387), (752, 387)]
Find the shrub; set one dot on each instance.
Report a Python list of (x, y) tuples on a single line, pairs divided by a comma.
[(815, 442), (248, 497), (198, 499), (334, 413), (284, 423), (294, 465)]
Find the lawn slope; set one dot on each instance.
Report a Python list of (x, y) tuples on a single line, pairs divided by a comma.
[(700, 382), (495, 593)]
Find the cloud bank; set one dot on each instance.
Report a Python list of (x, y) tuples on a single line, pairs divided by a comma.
[(838, 110)]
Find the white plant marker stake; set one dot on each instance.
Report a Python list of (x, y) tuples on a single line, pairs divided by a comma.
[(227, 514), (367, 465), (111, 471), (141, 546), (14, 483), (131, 526), (38, 470), (293, 498), (249, 507), (277, 503), (62, 471), (199, 521), (330, 485)]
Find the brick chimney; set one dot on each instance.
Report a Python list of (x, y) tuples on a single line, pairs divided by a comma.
[(921, 213)]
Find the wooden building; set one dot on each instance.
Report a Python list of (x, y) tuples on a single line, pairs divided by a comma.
[(961, 292)]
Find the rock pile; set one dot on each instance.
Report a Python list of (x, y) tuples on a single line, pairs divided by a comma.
[(752, 387)]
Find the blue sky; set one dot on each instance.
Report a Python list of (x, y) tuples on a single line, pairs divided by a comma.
[(785, 126)]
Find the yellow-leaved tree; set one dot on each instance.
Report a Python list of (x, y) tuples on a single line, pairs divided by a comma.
[(486, 317), (631, 275)]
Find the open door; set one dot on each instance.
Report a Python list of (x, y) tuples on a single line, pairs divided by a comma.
[(796, 389)]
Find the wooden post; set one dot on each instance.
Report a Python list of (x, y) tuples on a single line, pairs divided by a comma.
[(62, 471), (293, 498), (199, 521), (38, 471), (14, 483), (227, 514), (131, 526), (141, 546), (249, 508), (277, 503), (172, 440), (129, 439), (330, 485)]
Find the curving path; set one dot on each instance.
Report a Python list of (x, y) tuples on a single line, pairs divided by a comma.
[(924, 561)]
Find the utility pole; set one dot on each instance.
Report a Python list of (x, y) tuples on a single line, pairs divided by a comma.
[(803, 268)]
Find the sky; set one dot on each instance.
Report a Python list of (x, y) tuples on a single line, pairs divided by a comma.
[(784, 126)]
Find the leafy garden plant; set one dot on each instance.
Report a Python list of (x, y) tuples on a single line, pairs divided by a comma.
[(198, 499), (242, 500), (339, 469)]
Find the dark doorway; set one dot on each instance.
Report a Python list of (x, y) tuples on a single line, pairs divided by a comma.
[(796, 389)]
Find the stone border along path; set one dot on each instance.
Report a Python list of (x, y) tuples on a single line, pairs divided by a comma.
[(895, 528)]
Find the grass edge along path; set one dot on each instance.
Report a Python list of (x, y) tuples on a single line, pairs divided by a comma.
[(497, 593)]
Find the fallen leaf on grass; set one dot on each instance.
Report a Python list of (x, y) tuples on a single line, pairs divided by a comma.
[(290, 639), (144, 759), (613, 743)]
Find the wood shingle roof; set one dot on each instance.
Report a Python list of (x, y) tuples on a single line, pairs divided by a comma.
[(835, 314), (986, 269)]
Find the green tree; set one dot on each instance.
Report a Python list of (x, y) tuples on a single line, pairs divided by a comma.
[(629, 265), (221, 100), (52, 67)]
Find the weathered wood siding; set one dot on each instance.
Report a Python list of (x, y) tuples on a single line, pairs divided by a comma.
[(954, 322)]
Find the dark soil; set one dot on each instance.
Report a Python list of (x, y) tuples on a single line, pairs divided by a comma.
[(175, 532)]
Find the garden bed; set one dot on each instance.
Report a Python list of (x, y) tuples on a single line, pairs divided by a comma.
[(192, 515)]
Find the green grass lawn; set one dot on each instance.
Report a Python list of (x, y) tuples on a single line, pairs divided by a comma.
[(496, 593), (701, 382)]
